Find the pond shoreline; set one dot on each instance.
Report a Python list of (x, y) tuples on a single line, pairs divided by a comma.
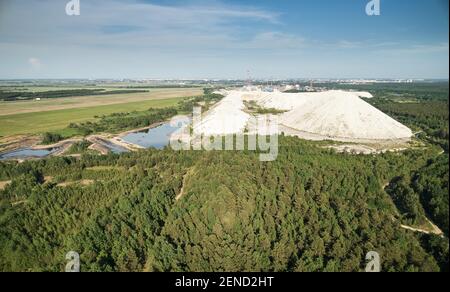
[(152, 126), (118, 139), (99, 143)]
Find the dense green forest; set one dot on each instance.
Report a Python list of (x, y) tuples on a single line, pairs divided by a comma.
[(160, 210), (310, 210), (428, 118)]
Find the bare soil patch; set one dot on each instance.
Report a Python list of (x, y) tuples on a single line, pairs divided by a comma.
[(3, 184)]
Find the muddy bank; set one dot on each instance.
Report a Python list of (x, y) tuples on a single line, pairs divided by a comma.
[(27, 148), (102, 143), (16, 142), (105, 144), (61, 144), (61, 147)]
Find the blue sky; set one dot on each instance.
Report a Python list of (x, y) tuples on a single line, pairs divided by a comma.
[(224, 39)]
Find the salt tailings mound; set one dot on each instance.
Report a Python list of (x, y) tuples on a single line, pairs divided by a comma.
[(335, 115), (226, 117)]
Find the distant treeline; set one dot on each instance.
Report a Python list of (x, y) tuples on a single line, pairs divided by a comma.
[(420, 91), (13, 96), (160, 86)]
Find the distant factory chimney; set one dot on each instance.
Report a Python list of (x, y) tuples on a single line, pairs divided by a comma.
[(249, 78)]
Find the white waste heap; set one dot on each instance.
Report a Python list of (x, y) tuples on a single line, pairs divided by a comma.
[(336, 115)]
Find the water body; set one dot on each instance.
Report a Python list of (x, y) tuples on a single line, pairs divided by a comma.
[(114, 148), (158, 137), (27, 153)]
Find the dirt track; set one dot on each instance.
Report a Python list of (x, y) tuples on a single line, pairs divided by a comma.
[(434, 230)]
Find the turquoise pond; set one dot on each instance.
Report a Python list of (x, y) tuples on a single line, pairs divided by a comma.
[(27, 153), (158, 137)]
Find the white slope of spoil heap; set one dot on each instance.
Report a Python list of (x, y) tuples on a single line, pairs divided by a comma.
[(282, 101), (226, 117), (343, 115), (290, 101), (336, 115)]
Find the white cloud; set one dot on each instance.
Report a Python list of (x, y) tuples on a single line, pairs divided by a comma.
[(207, 38), (111, 22), (417, 49), (35, 63), (276, 40), (344, 44)]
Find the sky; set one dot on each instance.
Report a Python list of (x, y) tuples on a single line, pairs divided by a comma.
[(199, 39)]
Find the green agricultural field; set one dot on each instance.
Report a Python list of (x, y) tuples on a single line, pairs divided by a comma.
[(39, 122), (52, 104)]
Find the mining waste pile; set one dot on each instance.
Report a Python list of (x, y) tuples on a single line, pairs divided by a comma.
[(331, 115)]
